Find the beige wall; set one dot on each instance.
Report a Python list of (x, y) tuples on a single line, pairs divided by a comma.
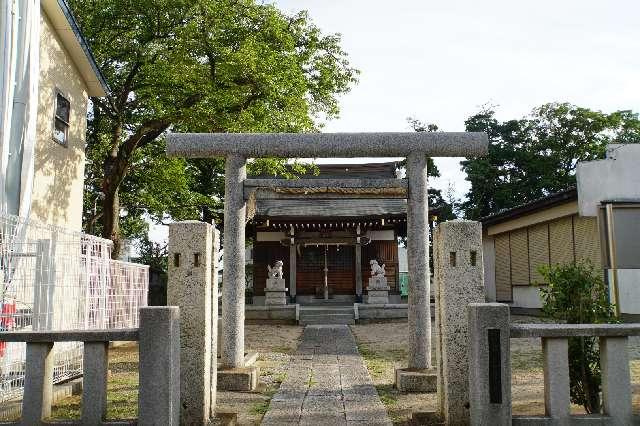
[(521, 251), (59, 170)]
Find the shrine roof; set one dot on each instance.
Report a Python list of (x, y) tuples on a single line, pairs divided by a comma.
[(316, 208)]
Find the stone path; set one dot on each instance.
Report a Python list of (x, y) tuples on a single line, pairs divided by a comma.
[(327, 384)]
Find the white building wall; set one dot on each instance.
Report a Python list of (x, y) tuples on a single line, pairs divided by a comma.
[(628, 290), (614, 178), (527, 297)]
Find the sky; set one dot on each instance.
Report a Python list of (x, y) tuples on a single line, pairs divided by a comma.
[(441, 61)]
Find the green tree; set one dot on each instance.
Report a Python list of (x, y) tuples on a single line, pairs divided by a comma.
[(576, 294), (537, 155), (198, 66)]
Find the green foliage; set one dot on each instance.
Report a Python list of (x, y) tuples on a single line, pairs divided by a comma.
[(576, 294), (195, 66), (153, 254), (537, 155)]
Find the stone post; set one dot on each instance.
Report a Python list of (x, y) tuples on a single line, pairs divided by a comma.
[(489, 364), (418, 259), (358, 249), (460, 278), (292, 272), (189, 288), (159, 399), (233, 281), (95, 364), (215, 320), (616, 384), (38, 383)]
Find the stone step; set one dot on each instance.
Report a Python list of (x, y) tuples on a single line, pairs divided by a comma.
[(347, 310), (324, 318)]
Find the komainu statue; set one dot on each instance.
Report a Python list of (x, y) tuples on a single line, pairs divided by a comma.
[(376, 269), (276, 271)]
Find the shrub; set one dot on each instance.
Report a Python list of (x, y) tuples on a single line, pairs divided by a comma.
[(576, 294)]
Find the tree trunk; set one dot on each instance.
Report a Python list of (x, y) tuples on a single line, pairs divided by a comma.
[(111, 220)]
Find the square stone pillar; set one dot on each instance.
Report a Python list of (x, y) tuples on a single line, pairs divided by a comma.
[(216, 336), (419, 315), (189, 288), (460, 281), (233, 281), (489, 364), (358, 249), (292, 272)]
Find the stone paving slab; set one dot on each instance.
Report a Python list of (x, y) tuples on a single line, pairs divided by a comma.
[(327, 384)]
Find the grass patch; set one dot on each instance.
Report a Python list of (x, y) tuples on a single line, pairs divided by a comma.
[(280, 377), (122, 388), (282, 349), (526, 361), (388, 395), (259, 408), (376, 363)]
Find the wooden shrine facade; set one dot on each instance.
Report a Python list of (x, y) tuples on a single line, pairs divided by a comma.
[(340, 227)]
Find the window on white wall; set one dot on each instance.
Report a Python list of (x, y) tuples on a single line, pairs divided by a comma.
[(61, 119)]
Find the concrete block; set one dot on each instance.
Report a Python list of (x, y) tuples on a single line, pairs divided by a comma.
[(555, 354), (94, 395), (413, 380), (489, 364), (159, 397), (616, 382), (38, 383), (238, 379)]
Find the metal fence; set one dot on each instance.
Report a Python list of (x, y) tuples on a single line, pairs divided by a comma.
[(52, 278)]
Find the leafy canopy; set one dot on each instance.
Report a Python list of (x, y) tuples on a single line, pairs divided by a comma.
[(537, 155), (195, 66)]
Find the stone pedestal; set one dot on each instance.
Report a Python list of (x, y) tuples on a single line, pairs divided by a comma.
[(275, 292), (378, 290)]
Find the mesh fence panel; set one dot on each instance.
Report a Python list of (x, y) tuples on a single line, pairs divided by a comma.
[(52, 278)]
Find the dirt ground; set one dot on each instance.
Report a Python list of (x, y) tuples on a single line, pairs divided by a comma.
[(274, 344)]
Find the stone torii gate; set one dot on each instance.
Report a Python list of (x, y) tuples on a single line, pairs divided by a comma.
[(238, 147)]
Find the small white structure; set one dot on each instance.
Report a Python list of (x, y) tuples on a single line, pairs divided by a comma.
[(609, 189), (275, 291), (378, 289)]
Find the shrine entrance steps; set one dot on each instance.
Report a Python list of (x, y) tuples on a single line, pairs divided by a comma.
[(327, 315), (327, 383)]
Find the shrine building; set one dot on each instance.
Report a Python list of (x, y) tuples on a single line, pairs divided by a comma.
[(326, 235)]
